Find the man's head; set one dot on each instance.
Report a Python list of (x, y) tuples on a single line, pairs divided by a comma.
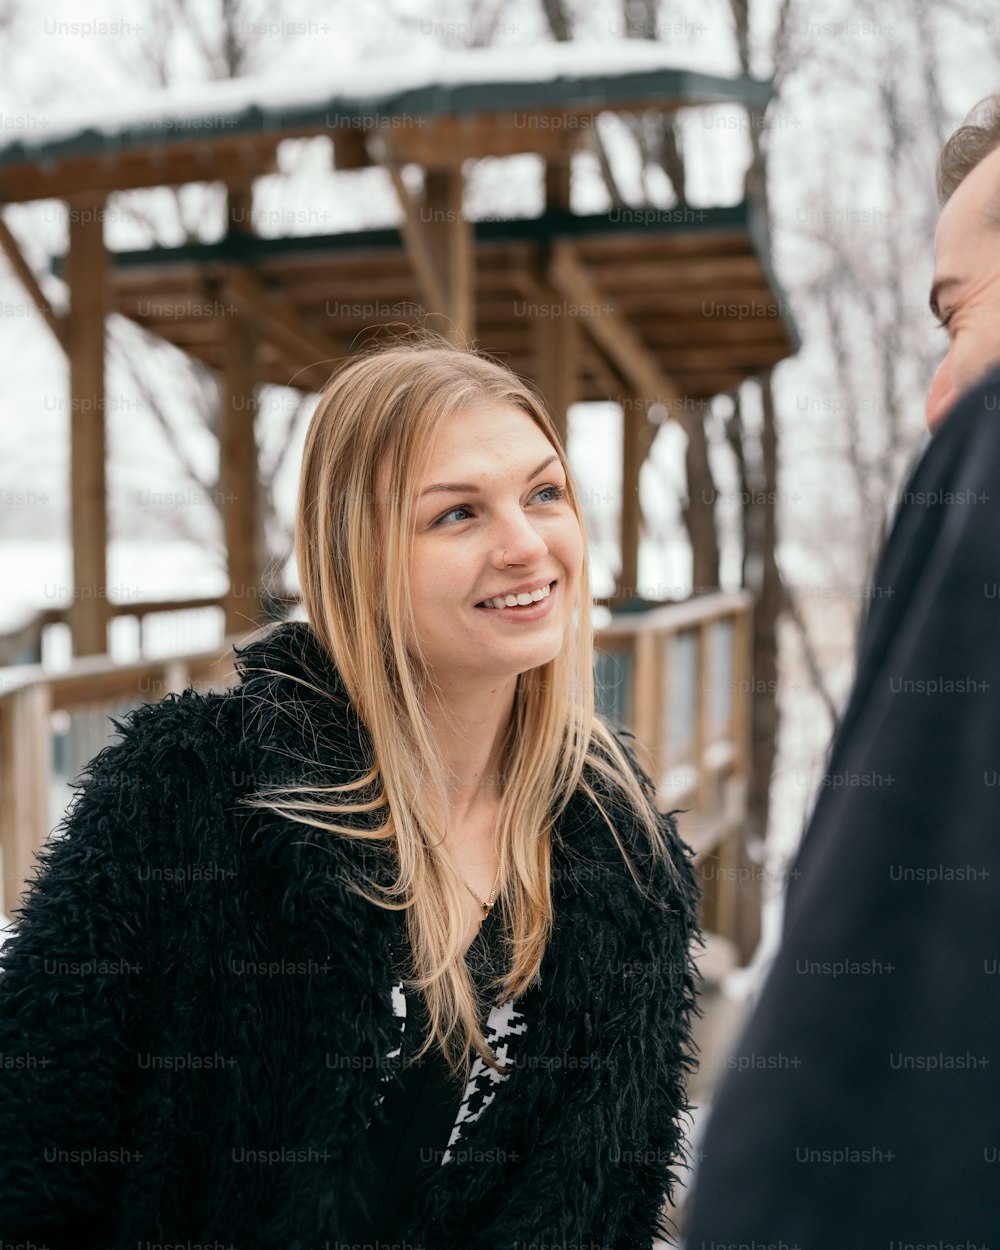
[(965, 295)]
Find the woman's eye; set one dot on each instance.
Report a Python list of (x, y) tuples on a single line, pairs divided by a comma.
[(450, 512), (945, 320), (557, 492)]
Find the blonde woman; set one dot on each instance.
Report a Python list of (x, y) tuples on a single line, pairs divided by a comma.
[(389, 944)]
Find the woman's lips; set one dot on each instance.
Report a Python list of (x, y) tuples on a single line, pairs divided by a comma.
[(527, 612)]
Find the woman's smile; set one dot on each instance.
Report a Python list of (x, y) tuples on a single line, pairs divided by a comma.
[(522, 613)]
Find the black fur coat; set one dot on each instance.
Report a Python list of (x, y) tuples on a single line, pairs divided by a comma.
[(152, 1090)]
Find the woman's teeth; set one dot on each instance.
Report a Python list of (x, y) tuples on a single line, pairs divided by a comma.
[(522, 600)]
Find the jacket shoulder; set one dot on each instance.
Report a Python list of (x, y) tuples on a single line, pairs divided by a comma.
[(185, 730), (172, 762)]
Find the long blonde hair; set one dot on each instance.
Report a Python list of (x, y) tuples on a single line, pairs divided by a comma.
[(385, 407)]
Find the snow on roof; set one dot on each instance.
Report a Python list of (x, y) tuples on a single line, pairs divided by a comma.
[(425, 83)]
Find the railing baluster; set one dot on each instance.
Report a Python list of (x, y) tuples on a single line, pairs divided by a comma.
[(25, 778)]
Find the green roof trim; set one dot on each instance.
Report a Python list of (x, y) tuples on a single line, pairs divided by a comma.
[(550, 227), (333, 110)]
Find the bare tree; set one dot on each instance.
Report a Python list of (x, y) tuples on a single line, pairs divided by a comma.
[(756, 454)]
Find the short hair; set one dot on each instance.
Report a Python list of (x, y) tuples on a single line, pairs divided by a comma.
[(972, 142)]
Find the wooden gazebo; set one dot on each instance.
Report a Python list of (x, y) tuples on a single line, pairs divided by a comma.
[(664, 308), (659, 309)]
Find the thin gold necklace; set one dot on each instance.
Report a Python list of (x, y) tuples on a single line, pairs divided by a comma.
[(493, 894)]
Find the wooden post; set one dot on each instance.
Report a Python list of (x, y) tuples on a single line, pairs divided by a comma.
[(452, 244), (557, 184), (741, 703), (238, 484), (646, 679), (634, 447), (557, 340), (747, 920), (557, 346), (701, 722), (86, 276), (25, 755)]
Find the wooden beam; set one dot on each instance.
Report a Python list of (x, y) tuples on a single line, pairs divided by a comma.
[(453, 246), (601, 372), (238, 460), (679, 333), (556, 342), (607, 327), (557, 183), (703, 386), (439, 240), (87, 277), (275, 320), (54, 320), (676, 234), (557, 350), (350, 150), (445, 142), (722, 272), (747, 357), (413, 228), (647, 691), (238, 479), (153, 167)]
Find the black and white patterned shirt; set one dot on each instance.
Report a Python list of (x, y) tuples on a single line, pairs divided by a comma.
[(504, 1025), (427, 1109)]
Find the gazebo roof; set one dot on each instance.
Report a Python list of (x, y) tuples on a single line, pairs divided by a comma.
[(694, 286), (434, 109)]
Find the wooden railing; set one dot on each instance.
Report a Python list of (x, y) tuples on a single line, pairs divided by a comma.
[(678, 675), (146, 629), (52, 724)]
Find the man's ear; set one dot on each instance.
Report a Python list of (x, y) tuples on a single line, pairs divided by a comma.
[(941, 397)]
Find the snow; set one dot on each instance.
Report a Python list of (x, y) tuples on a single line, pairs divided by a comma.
[(371, 86)]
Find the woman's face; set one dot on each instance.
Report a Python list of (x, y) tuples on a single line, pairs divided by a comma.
[(513, 501)]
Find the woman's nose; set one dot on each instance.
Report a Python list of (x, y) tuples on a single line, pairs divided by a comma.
[(522, 542)]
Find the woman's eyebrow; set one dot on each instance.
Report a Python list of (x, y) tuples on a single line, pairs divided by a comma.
[(472, 487)]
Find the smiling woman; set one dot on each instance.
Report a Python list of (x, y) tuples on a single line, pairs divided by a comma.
[(474, 708), (421, 756)]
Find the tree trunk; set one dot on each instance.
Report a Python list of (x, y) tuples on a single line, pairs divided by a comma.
[(766, 715), (699, 512)]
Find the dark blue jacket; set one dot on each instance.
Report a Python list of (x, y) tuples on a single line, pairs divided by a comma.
[(862, 1108)]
